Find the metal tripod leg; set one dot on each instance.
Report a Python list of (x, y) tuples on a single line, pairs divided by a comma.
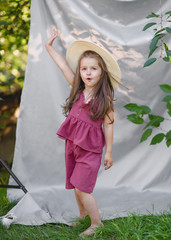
[(20, 185)]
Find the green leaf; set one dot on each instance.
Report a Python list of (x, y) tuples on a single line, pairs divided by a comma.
[(167, 98), (5, 115), (168, 105), (168, 52), (158, 120), (132, 107), (3, 23), (168, 29), (150, 123), (151, 116), (153, 15), (148, 25), (168, 142), (145, 109), (169, 108), (135, 119), (157, 138), (151, 52), (165, 88), (146, 134), (2, 126), (168, 135), (155, 40), (165, 46), (169, 12), (149, 62), (167, 59), (161, 30), (160, 35), (155, 121)]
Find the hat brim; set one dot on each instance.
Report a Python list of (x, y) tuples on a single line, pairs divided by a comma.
[(77, 48)]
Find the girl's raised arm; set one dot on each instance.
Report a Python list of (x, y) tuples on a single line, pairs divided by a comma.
[(59, 60)]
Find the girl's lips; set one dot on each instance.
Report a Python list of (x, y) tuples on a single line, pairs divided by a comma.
[(89, 79)]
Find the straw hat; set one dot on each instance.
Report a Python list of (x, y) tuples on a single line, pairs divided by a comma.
[(75, 50)]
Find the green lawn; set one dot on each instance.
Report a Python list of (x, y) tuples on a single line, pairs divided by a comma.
[(133, 227)]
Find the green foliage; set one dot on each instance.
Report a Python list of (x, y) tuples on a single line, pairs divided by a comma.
[(153, 15), (141, 117), (14, 33), (167, 59), (154, 121), (148, 25), (167, 98), (3, 117), (169, 13), (165, 88), (149, 62), (168, 138), (133, 107), (153, 44), (157, 138), (146, 134), (168, 105), (135, 119), (168, 30), (161, 30), (138, 109)]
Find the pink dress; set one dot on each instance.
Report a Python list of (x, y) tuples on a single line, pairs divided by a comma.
[(81, 130), (83, 147)]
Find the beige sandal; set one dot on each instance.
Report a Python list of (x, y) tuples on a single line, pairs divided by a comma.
[(91, 230)]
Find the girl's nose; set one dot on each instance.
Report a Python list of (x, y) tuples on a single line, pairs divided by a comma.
[(88, 72)]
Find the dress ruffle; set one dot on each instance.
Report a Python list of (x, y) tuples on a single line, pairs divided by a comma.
[(82, 133)]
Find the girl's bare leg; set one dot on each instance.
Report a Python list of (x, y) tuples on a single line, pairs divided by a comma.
[(82, 210), (89, 203)]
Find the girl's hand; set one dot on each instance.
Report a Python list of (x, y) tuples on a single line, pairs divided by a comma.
[(52, 38), (108, 161)]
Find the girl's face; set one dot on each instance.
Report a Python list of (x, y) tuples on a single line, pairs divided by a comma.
[(90, 71)]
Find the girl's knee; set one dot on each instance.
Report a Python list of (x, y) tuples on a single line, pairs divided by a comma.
[(80, 193)]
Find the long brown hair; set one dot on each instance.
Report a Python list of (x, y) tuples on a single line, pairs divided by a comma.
[(102, 95)]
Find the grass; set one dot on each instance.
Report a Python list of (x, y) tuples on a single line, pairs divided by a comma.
[(133, 227)]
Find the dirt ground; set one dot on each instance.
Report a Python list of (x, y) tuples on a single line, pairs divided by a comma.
[(9, 109)]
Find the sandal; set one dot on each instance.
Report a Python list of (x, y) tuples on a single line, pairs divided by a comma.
[(90, 231)]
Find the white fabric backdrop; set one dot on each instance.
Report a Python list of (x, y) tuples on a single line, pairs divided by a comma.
[(140, 179)]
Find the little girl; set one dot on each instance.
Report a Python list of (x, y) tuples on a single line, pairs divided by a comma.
[(93, 74)]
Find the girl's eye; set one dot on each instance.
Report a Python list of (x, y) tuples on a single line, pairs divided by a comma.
[(94, 68)]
